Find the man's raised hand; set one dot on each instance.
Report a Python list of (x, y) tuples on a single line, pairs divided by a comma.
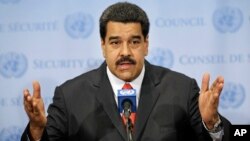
[(34, 107), (209, 99)]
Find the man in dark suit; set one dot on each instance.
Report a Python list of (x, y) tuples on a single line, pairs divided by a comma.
[(170, 106)]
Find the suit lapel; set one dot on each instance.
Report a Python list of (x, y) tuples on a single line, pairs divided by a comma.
[(105, 96), (148, 98)]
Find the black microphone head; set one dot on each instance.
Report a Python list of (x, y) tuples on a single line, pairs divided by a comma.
[(126, 104), (126, 107)]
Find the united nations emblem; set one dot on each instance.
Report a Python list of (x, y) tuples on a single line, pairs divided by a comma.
[(10, 134), (162, 57), (79, 25), (227, 19), (13, 65), (232, 95)]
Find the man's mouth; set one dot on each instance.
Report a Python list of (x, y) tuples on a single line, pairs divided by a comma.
[(125, 65)]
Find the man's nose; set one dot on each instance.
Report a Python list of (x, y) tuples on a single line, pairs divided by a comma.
[(125, 50)]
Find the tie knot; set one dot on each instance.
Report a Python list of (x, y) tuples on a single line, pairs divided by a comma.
[(127, 86)]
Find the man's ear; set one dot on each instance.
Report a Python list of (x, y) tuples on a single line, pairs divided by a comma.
[(146, 46), (103, 48)]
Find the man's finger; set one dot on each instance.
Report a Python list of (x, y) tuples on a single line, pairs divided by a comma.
[(36, 90), (36, 110), (218, 85), (26, 97), (205, 82), (25, 94), (27, 105)]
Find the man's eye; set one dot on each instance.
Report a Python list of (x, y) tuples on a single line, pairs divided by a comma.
[(114, 42), (135, 41)]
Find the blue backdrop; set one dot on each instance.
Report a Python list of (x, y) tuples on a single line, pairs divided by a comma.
[(54, 40)]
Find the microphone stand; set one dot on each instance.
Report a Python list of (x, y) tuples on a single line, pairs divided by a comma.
[(129, 125)]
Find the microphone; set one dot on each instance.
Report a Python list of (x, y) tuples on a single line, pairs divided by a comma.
[(127, 99), (127, 108)]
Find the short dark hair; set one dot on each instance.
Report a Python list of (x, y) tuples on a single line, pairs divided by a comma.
[(124, 12)]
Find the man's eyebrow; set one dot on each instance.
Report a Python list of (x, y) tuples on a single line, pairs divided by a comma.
[(136, 37), (117, 37), (113, 37)]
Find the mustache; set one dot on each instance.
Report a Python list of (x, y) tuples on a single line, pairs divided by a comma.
[(125, 59)]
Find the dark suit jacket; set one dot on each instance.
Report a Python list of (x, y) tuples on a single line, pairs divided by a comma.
[(84, 109)]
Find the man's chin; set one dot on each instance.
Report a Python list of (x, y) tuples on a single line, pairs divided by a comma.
[(126, 76)]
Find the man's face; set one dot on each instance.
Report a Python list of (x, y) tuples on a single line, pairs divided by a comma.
[(124, 49)]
